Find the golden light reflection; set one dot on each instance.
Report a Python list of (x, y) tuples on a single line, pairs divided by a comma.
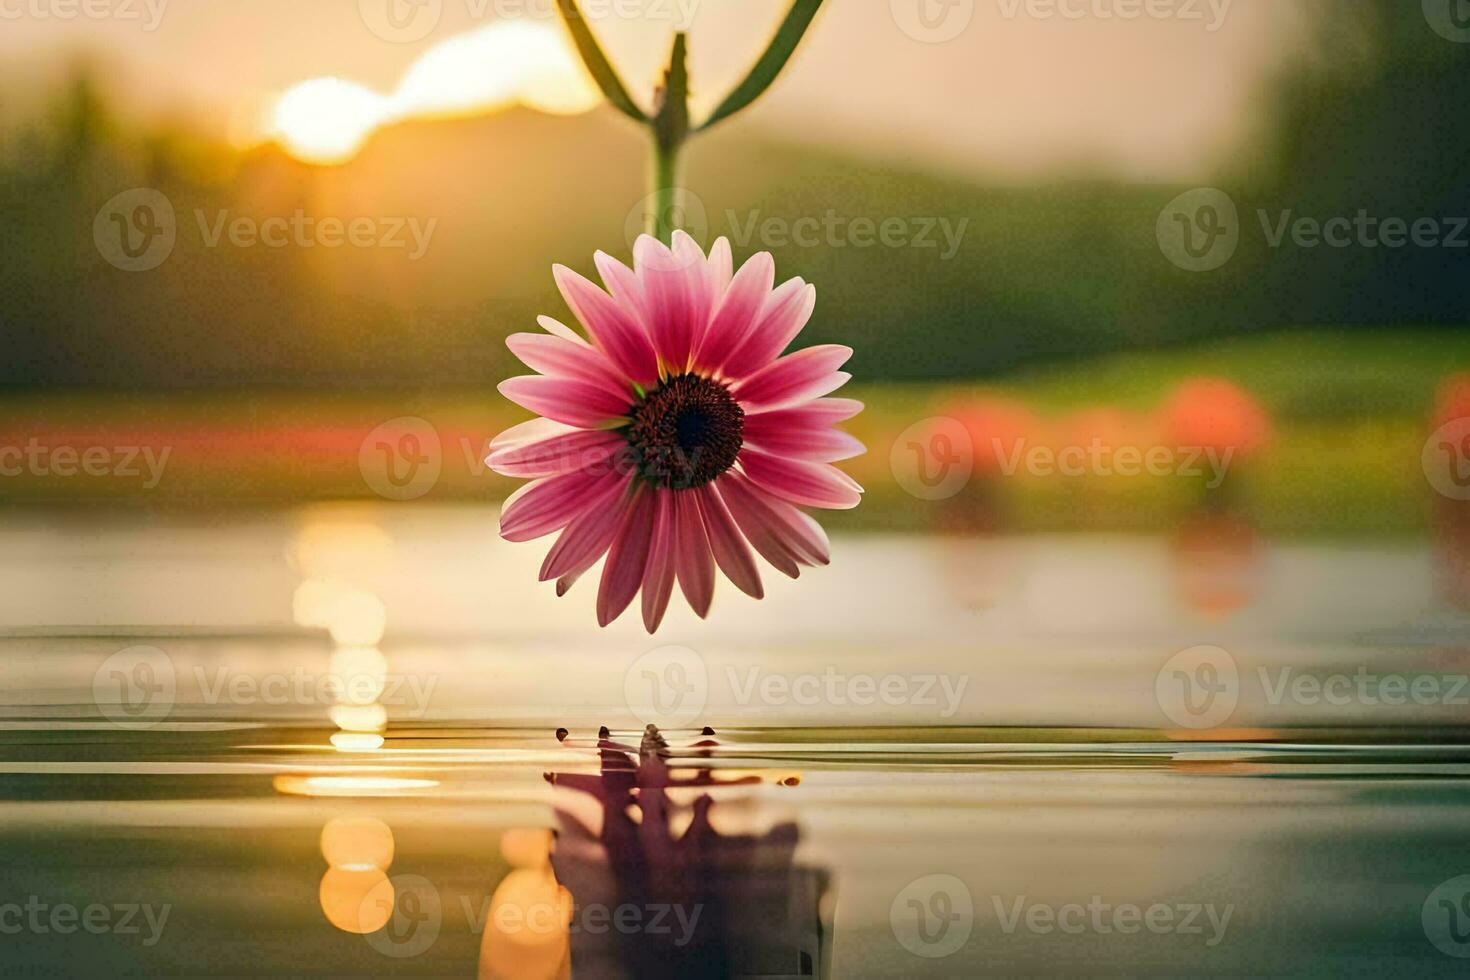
[(354, 616), (327, 120), (357, 842), (355, 894), (526, 932), (356, 742), (340, 561), (365, 718), (350, 899), (359, 674), (351, 785)]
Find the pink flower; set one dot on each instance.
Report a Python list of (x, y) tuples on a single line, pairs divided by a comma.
[(676, 438)]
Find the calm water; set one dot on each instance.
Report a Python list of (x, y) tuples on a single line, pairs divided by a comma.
[(325, 742)]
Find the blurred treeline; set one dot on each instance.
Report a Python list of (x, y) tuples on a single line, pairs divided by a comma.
[(1373, 120)]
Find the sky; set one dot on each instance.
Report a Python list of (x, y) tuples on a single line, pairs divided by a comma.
[(1143, 89)]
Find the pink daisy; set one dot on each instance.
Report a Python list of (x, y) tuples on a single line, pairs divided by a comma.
[(676, 438)]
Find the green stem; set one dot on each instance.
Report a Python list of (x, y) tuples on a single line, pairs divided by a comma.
[(670, 131), (663, 216)]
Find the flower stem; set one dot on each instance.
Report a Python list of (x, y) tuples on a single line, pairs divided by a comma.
[(664, 215), (670, 130)]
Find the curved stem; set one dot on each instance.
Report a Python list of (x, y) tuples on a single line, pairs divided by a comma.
[(771, 64), (597, 64)]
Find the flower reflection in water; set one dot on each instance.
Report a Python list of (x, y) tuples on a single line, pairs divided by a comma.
[(644, 885)]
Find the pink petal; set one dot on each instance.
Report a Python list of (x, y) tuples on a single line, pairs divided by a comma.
[(676, 292), (737, 312), (693, 563), (579, 449), (573, 402), (565, 583), (623, 283), (785, 313), (798, 377), (822, 411), (807, 484), (800, 535), (547, 505), (622, 573), (558, 329), (730, 549), (614, 330), (559, 358), (721, 268), (658, 577), (701, 289), (536, 430), (588, 536), (755, 523), (786, 433)]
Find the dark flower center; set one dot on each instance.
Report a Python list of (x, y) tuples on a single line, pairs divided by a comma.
[(686, 432)]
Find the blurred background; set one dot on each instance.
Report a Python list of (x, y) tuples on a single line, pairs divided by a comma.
[(252, 235), (1160, 316)]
